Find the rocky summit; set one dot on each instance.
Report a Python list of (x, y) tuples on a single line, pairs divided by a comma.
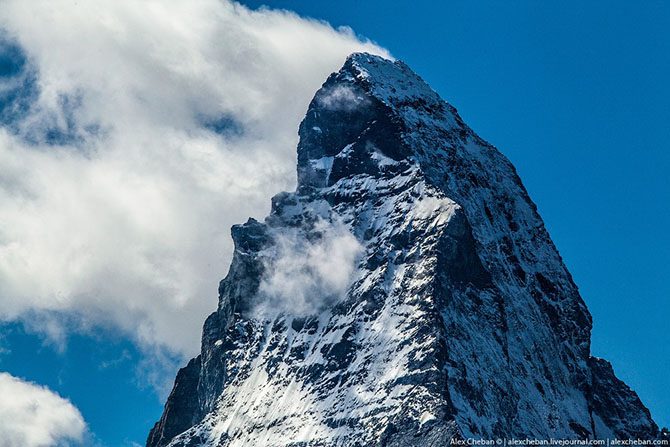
[(406, 294)]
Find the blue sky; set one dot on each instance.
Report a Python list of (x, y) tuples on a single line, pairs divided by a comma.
[(575, 95)]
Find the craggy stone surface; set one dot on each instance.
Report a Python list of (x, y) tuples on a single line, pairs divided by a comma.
[(460, 319)]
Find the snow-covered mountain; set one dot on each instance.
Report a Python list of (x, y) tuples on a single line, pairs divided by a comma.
[(406, 293)]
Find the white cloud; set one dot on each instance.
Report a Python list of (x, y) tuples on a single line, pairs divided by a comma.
[(126, 222), (342, 98), (303, 274), (34, 416)]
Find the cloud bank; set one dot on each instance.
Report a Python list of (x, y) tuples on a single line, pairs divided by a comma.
[(134, 134), (34, 416)]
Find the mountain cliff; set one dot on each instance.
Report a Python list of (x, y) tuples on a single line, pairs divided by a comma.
[(405, 294)]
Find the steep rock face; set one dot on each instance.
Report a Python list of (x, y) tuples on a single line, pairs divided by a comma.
[(457, 317)]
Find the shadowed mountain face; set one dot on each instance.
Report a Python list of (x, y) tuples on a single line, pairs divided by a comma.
[(407, 293)]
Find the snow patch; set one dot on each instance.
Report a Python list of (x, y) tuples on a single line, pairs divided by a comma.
[(383, 160), (426, 416), (324, 164)]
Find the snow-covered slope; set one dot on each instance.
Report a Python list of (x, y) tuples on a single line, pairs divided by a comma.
[(405, 294)]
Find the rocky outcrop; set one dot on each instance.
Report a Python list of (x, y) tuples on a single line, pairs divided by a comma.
[(406, 294)]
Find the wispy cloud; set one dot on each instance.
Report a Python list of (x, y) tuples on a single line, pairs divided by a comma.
[(342, 97), (306, 273), (137, 134)]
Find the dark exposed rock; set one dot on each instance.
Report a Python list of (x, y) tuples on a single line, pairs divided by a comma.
[(182, 411), (616, 407)]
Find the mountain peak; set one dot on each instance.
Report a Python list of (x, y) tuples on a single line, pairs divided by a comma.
[(406, 294), (363, 115), (392, 81)]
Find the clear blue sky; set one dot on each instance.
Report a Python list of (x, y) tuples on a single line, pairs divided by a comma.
[(575, 94)]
